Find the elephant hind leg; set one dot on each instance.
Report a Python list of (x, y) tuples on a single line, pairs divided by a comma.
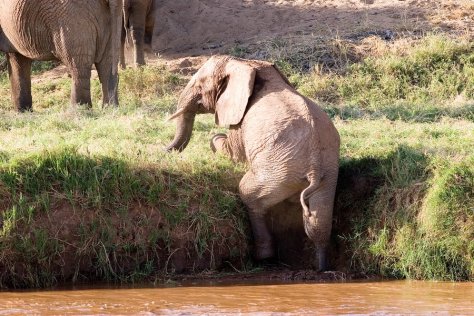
[(318, 221), (137, 23), (259, 195), (108, 82), (123, 63), (138, 38), (19, 70), (81, 88)]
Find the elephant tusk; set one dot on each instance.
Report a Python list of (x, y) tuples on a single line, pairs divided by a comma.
[(175, 115)]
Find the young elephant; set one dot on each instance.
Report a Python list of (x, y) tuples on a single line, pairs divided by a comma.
[(78, 33), (289, 143)]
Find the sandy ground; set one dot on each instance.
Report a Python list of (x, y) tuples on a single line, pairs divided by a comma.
[(187, 31), (197, 27)]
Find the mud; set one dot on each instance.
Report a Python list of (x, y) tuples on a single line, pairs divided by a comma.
[(248, 298)]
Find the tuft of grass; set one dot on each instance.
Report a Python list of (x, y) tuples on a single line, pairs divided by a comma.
[(446, 220), (418, 224), (105, 218), (149, 85), (437, 242), (91, 194), (296, 58), (39, 67), (420, 82)]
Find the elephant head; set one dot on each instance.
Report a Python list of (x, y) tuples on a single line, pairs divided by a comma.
[(222, 86)]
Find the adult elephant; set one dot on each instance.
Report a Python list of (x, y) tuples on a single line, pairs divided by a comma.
[(288, 142), (78, 33), (139, 20)]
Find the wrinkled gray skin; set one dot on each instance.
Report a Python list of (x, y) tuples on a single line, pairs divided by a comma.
[(289, 143), (139, 20), (78, 33)]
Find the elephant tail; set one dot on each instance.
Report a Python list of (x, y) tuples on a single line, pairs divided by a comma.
[(313, 177), (313, 185)]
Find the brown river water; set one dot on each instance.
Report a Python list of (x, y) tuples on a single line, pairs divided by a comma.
[(359, 298)]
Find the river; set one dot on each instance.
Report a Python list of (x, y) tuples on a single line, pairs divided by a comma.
[(357, 298)]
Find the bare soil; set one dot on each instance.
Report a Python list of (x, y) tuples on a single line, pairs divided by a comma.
[(186, 32), (199, 27), (272, 274)]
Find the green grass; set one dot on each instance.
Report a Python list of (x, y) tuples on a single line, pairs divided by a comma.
[(422, 82), (91, 195), (418, 221)]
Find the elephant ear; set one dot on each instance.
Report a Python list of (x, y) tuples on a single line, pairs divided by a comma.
[(238, 87)]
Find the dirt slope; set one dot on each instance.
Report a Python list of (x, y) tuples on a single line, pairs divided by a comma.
[(195, 28), (201, 26)]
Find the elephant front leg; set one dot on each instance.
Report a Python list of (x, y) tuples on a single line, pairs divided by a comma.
[(138, 38), (230, 145), (19, 70)]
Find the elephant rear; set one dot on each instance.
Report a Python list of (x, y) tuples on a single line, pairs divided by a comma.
[(78, 33)]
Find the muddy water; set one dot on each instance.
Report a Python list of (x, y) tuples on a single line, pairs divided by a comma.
[(402, 297)]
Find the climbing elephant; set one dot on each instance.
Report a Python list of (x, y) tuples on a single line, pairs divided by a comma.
[(139, 21), (77, 33), (289, 143)]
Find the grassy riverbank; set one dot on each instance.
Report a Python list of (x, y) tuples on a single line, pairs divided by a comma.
[(90, 194)]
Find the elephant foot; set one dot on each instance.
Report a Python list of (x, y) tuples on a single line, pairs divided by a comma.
[(217, 142), (263, 251)]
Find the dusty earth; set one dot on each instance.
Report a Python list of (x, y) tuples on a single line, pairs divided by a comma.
[(201, 26), (186, 32)]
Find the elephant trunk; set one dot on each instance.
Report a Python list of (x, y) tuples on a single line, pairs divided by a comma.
[(184, 129)]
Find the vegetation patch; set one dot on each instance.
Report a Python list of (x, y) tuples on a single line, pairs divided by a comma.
[(418, 81), (404, 207), (422, 231), (89, 194), (67, 217)]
